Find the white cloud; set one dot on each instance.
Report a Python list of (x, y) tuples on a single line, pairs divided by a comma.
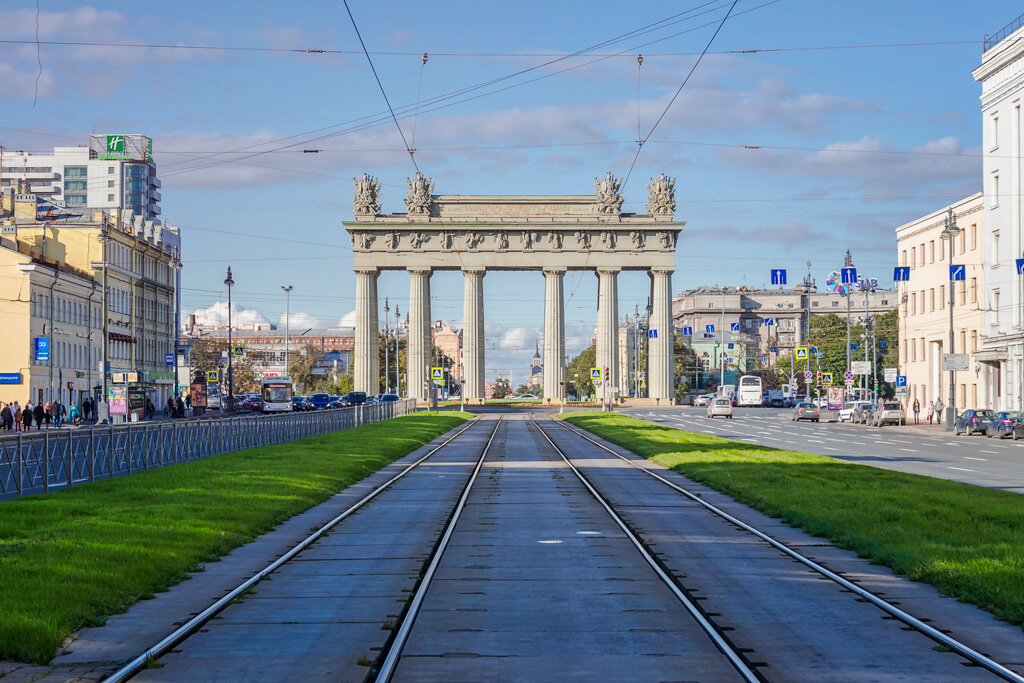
[(298, 320), (217, 314), (348, 320)]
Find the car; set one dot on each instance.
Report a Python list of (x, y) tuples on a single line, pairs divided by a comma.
[(1002, 424), (251, 402), (354, 398), (701, 401), (806, 411), (888, 412), (298, 403), (720, 407), (860, 415), (373, 400), (848, 409), (387, 398), (319, 401), (972, 422)]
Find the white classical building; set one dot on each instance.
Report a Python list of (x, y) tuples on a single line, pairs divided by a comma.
[(1001, 75), (924, 307)]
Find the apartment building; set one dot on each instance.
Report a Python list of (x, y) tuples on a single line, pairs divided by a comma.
[(924, 321)]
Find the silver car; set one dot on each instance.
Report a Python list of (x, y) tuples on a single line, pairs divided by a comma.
[(806, 411), (720, 407), (888, 412)]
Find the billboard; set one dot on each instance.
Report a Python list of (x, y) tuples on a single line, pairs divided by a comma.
[(836, 398), (121, 147), (117, 399)]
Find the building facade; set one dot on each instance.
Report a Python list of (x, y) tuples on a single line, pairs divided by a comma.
[(924, 320), (114, 173), (1001, 75), (449, 342)]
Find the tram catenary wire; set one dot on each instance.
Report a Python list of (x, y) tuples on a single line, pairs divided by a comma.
[(194, 624), (961, 649)]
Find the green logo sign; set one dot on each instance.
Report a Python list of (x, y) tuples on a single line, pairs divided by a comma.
[(115, 143)]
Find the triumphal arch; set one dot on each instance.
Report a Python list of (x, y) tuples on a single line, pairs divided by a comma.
[(552, 234)]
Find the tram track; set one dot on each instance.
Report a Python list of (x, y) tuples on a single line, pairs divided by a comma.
[(202, 619), (894, 612)]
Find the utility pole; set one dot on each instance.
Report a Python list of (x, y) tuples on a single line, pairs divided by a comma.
[(848, 263), (398, 383), (287, 324), (949, 231), (229, 281), (387, 345), (721, 352), (177, 265)]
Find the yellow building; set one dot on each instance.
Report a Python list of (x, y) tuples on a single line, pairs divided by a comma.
[(135, 260)]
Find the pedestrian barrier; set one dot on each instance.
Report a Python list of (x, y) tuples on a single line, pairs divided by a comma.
[(38, 462)]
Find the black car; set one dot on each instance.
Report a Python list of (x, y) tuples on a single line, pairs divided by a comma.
[(1002, 424), (354, 398), (972, 422), (298, 403)]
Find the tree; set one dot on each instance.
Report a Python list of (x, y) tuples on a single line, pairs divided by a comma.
[(577, 373), (502, 388), (208, 354), (301, 366)]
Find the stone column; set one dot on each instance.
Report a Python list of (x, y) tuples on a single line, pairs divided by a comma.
[(473, 335), (554, 335), (659, 355), (420, 340), (366, 366), (608, 328)]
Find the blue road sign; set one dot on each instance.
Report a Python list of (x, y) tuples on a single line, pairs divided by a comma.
[(883, 344), (957, 273), (10, 378), (821, 355), (902, 273), (731, 345), (814, 350), (775, 349), (853, 347), (1020, 266), (734, 327), (43, 349), (778, 276), (849, 276), (437, 373), (212, 376), (652, 334), (769, 322), (901, 380), (168, 359), (764, 359), (801, 353), (687, 331), (728, 361), (710, 329)]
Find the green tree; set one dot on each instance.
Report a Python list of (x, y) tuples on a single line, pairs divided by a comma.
[(502, 388), (301, 366), (208, 354), (577, 373)]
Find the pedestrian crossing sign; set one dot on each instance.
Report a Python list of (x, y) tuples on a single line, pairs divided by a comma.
[(437, 373), (212, 376), (595, 373), (801, 352), (826, 378), (238, 351)]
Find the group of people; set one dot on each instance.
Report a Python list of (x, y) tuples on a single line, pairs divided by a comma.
[(176, 407), (14, 416), (934, 411)]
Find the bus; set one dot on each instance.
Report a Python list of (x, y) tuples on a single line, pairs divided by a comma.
[(276, 391), (750, 391)]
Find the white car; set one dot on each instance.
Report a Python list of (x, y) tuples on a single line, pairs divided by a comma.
[(846, 413), (889, 412), (720, 407)]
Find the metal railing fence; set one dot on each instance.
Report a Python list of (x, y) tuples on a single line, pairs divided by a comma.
[(993, 40), (38, 462)]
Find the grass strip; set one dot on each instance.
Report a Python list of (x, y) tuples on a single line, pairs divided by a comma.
[(71, 558), (965, 540)]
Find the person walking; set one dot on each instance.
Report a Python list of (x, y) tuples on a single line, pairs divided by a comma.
[(7, 417), (169, 408), (917, 411), (931, 411), (40, 415), (75, 415), (150, 409), (26, 415), (938, 411), (17, 417), (179, 408)]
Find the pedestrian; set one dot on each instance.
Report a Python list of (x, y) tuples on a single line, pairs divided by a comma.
[(938, 411), (931, 411), (150, 409), (169, 408), (17, 417), (40, 415), (26, 415), (188, 402), (48, 414), (62, 413), (75, 415), (6, 417), (917, 411)]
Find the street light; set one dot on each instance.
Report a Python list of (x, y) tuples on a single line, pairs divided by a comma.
[(287, 323), (177, 265), (387, 345), (231, 348), (949, 231)]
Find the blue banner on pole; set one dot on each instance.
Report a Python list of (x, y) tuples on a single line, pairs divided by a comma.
[(1020, 266)]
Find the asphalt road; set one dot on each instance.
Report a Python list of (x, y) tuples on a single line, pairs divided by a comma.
[(977, 460)]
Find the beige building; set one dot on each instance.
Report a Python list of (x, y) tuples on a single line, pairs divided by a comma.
[(449, 341), (924, 306), (136, 260)]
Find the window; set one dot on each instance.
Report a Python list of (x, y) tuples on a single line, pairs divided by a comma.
[(903, 258), (995, 306), (994, 200), (993, 131), (963, 239), (110, 197), (110, 183), (974, 290), (913, 257), (110, 170), (974, 237), (995, 249), (942, 297), (931, 252), (974, 340), (913, 303), (963, 342), (835, 304), (931, 299)]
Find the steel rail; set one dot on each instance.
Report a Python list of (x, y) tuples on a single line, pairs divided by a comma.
[(195, 623), (961, 649), (387, 667), (720, 642)]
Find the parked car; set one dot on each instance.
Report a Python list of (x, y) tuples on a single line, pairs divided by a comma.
[(526, 397), (888, 412), (720, 407), (848, 409), (972, 422), (862, 412), (354, 398), (806, 411), (319, 401), (1002, 424), (701, 401)]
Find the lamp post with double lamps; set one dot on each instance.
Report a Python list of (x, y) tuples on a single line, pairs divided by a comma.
[(230, 401), (949, 231)]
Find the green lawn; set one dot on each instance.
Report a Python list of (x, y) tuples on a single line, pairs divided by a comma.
[(967, 541), (72, 558)]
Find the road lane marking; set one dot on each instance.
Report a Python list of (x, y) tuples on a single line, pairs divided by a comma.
[(967, 457), (982, 450), (962, 469), (910, 450)]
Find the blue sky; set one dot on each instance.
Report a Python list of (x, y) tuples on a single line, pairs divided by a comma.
[(873, 137)]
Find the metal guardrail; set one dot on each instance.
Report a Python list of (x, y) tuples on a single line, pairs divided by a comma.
[(993, 40), (38, 462)]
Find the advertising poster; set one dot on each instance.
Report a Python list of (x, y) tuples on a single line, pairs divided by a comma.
[(117, 399), (199, 395), (836, 398)]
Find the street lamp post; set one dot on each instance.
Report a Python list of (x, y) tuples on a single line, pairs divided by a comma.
[(104, 239), (387, 345), (949, 231), (177, 265), (229, 281), (398, 357), (287, 324)]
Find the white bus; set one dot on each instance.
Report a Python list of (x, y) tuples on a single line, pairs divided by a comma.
[(750, 391), (276, 392)]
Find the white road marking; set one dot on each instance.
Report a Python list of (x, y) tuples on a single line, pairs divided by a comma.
[(962, 469), (909, 450), (982, 450), (967, 457)]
